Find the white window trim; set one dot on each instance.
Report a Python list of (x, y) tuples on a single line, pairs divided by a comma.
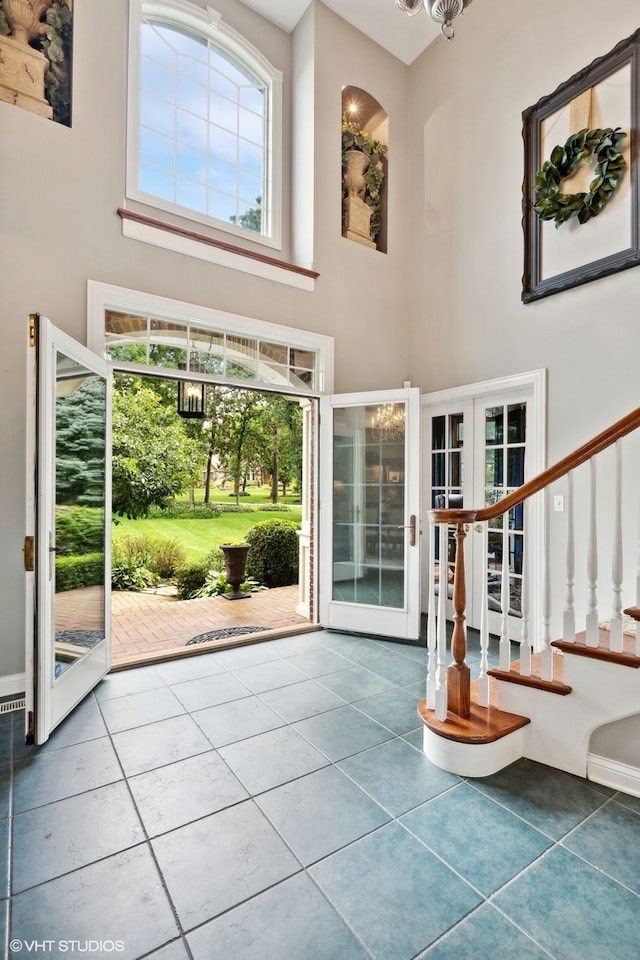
[(105, 296), (208, 23)]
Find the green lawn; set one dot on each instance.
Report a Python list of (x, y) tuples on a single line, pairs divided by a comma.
[(199, 537), (255, 495)]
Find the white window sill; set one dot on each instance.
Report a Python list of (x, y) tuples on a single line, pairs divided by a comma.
[(136, 226)]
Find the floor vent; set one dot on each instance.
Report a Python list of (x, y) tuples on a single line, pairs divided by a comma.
[(8, 706)]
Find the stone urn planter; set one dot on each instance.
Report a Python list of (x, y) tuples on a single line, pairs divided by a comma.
[(22, 68), (235, 561)]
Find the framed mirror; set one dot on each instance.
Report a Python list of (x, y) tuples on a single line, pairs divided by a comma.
[(580, 204)]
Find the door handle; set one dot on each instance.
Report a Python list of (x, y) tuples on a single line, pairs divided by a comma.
[(411, 526)]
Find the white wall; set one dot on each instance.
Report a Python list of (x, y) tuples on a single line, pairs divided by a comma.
[(59, 191)]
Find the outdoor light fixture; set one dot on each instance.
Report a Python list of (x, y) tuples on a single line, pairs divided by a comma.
[(191, 396), (443, 12)]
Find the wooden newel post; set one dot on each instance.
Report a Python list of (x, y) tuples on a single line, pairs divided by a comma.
[(458, 674)]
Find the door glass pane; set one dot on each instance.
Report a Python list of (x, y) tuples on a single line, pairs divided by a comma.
[(369, 505), (79, 544), (506, 533)]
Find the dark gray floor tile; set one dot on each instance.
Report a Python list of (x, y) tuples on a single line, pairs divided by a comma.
[(62, 773), (157, 744), (237, 657), (123, 683), (354, 684), (4, 928), (341, 733), (633, 803), (397, 776), (5, 791), (173, 951), (514, 844), (184, 791), (190, 668), (62, 836), (550, 800), (268, 676), (136, 709), (401, 670), (213, 864), (310, 931), (118, 899), (285, 647), (209, 691), (396, 709), (381, 885), (5, 827), (485, 933), (610, 840), (319, 662), (236, 720), (270, 759), (572, 910), (85, 723), (300, 700), (320, 813)]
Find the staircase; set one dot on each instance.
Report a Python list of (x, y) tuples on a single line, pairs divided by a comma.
[(573, 702)]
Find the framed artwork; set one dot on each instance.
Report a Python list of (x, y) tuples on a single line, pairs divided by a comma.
[(581, 187)]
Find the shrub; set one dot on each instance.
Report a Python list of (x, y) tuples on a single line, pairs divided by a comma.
[(85, 570), (79, 530), (191, 577), (273, 558), (131, 564), (216, 584), (166, 556), (182, 511)]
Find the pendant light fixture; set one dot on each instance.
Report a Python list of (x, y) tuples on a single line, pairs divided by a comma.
[(443, 12)]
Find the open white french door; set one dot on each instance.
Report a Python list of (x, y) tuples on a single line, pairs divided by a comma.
[(68, 526), (369, 554)]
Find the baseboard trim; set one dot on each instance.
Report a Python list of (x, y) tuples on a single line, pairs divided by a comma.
[(11, 685), (612, 773)]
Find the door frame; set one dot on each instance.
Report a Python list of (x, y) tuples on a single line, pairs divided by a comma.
[(535, 382)]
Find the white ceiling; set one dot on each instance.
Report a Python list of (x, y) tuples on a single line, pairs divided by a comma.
[(405, 37)]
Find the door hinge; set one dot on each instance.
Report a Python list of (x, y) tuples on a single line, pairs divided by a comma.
[(29, 554), (33, 317)]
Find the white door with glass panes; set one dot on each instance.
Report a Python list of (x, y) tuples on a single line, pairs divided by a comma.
[(68, 524), (480, 443), (369, 551)]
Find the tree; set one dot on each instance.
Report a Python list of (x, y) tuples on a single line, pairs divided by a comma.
[(251, 219), (237, 442), (80, 450), (281, 423), (153, 458)]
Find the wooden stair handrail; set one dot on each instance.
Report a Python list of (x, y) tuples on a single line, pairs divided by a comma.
[(607, 438)]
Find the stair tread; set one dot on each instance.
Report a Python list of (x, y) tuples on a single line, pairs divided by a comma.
[(627, 657), (483, 725), (534, 678)]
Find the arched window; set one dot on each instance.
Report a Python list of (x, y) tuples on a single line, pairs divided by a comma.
[(204, 120)]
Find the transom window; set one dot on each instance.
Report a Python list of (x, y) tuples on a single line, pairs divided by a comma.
[(202, 120)]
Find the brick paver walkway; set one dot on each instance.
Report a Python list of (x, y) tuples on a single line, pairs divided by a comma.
[(146, 623)]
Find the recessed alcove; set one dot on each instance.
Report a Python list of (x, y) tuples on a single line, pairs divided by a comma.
[(363, 110)]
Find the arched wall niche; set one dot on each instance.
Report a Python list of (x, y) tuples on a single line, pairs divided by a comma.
[(360, 107)]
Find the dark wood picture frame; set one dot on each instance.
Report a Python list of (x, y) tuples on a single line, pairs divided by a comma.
[(534, 283)]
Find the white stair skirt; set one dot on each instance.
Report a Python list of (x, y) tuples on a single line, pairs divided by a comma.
[(472, 759), (614, 774)]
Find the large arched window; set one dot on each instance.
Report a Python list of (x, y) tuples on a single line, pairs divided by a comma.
[(204, 120)]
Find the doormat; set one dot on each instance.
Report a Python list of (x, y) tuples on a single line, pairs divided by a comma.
[(223, 634)]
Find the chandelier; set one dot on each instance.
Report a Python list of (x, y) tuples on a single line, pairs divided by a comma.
[(442, 11)]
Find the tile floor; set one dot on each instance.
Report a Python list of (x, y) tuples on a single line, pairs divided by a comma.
[(272, 801)]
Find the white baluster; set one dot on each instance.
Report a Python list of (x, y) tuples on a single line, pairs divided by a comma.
[(431, 618), (505, 643), (615, 640), (592, 564), (483, 681), (546, 669), (569, 614), (525, 645), (441, 676)]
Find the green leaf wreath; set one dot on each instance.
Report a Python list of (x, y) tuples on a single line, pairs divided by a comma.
[(602, 145)]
